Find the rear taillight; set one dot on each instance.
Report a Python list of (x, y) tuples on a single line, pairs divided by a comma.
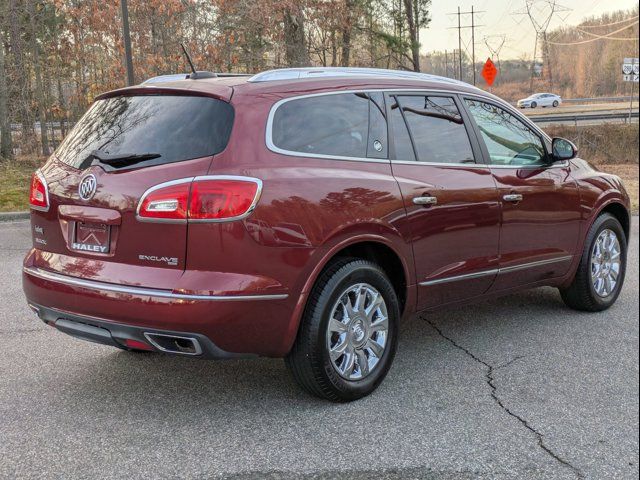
[(39, 193), (217, 198), (167, 201)]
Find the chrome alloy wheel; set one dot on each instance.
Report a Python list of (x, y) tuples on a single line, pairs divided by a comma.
[(358, 331), (605, 263)]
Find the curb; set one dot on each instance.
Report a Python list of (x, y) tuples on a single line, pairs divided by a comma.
[(11, 216)]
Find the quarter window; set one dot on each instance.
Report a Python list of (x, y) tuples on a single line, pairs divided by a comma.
[(508, 140), (436, 128), (336, 125)]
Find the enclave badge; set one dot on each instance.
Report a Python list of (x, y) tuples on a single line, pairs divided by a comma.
[(87, 187)]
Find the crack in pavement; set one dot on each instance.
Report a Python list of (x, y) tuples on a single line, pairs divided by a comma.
[(500, 403)]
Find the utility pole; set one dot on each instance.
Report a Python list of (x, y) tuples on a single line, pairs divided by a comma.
[(473, 27), (127, 43), (473, 47)]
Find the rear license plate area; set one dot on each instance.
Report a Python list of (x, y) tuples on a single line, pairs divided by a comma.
[(91, 237)]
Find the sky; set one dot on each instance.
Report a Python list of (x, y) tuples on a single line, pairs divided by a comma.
[(497, 20)]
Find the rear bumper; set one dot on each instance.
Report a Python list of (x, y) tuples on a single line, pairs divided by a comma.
[(118, 335), (229, 326)]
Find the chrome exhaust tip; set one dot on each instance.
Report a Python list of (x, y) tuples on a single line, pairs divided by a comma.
[(174, 343)]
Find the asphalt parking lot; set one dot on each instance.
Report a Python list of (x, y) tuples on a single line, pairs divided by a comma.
[(519, 387)]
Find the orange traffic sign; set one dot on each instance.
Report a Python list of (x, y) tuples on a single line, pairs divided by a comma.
[(489, 72)]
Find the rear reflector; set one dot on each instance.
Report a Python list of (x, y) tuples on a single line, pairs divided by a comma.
[(39, 193), (201, 199), (137, 345)]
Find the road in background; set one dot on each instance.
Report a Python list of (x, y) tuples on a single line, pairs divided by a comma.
[(520, 387)]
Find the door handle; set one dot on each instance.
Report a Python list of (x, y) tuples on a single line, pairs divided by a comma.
[(513, 197), (425, 200)]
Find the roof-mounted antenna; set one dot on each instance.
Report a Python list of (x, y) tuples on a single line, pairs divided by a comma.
[(196, 74)]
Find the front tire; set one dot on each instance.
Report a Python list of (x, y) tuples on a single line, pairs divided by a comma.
[(602, 267), (534, 104), (348, 334)]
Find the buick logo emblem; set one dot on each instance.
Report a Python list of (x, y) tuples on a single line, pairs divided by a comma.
[(87, 187)]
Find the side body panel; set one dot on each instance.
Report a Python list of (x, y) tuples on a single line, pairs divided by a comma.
[(540, 233)]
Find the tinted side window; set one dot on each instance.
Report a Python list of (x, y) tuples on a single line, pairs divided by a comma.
[(401, 138), (437, 129), (325, 125), (508, 140), (174, 127)]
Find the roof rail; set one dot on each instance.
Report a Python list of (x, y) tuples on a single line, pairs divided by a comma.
[(312, 72), (185, 76)]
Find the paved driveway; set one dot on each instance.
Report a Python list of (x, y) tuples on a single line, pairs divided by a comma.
[(520, 387)]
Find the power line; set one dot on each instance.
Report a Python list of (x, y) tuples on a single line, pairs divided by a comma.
[(610, 24), (599, 37)]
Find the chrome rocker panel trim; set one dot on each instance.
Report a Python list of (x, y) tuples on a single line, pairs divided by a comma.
[(495, 271)]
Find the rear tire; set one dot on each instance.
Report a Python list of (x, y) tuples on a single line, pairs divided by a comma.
[(555, 103), (602, 267), (345, 346)]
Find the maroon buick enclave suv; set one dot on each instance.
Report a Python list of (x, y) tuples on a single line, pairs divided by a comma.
[(301, 213)]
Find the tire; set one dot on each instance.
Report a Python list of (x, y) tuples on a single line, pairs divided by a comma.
[(555, 103), (588, 292), (310, 360), (534, 104)]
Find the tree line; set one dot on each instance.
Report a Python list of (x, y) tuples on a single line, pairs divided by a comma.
[(56, 55)]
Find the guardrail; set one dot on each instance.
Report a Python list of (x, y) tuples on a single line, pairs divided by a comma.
[(581, 117), (599, 99)]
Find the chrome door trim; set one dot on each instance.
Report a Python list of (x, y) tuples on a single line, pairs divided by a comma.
[(141, 291), (538, 263), (496, 271), (457, 278)]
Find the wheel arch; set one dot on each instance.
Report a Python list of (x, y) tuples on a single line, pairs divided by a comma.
[(619, 211), (369, 247)]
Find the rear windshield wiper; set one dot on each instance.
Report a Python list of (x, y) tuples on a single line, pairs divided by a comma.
[(122, 159)]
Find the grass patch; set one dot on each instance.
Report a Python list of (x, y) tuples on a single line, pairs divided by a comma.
[(15, 179), (606, 144)]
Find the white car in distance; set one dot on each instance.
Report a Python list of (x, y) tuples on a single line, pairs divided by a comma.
[(540, 100)]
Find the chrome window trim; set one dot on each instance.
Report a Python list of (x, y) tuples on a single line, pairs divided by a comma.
[(179, 181), (496, 271), (443, 164), (38, 173), (141, 291), (272, 147)]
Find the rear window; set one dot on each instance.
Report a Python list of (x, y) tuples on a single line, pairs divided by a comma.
[(337, 125), (175, 127)]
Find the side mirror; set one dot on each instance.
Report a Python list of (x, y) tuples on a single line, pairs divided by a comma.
[(563, 149)]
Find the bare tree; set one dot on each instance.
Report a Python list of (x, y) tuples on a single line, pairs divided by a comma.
[(6, 150), (296, 52)]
